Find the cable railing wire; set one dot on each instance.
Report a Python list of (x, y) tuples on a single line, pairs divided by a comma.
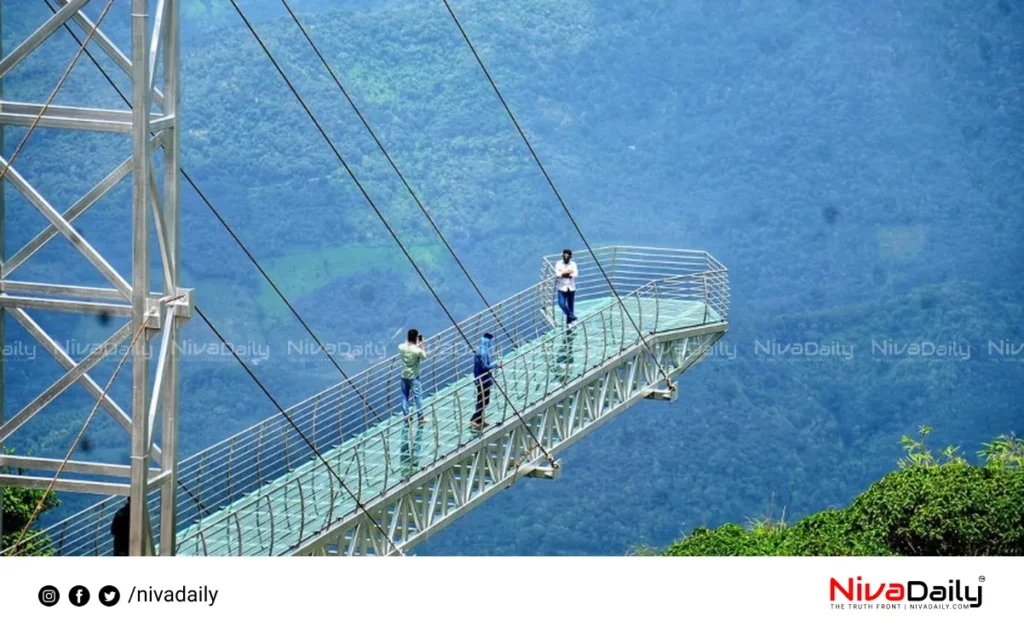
[(298, 480), (223, 222), (277, 405), (394, 166), (547, 177), (514, 339), (220, 218), (221, 477), (370, 201)]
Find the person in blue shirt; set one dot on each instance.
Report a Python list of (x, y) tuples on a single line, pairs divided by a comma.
[(483, 365)]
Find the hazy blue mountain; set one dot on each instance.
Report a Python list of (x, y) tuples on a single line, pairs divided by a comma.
[(857, 166)]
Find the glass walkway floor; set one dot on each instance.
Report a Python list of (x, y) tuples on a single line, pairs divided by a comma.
[(275, 518), (263, 491)]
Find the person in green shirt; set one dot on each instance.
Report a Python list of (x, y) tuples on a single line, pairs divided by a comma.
[(413, 351)]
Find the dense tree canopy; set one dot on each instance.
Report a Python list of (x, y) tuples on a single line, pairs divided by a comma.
[(926, 508)]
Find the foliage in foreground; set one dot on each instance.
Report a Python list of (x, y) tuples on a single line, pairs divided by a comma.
[(18, 505), (929, 507)]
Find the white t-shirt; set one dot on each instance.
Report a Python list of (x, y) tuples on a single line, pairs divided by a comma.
[(566, 284)]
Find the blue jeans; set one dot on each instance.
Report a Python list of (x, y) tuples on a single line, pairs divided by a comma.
[(411, 388), (412, 433), (567, 302)]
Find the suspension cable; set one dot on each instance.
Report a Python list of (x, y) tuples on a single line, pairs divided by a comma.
[(252, 258), (401, 176), (281, 295), (56, 89), (551, 183), (383, 220), (295, 426)]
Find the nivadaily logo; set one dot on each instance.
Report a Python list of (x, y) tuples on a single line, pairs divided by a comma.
[(913, 594)]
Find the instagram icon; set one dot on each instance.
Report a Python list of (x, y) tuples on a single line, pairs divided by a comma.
[(49, 596)]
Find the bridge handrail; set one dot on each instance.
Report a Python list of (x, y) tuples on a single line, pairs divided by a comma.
[(674, 287), (243, 462)]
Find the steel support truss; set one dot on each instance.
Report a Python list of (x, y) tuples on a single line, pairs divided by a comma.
[(413, 512), (152, 123)]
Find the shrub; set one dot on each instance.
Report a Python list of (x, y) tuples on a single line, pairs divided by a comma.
[(927, 508)]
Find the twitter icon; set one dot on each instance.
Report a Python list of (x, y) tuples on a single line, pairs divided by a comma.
[(109, 596)]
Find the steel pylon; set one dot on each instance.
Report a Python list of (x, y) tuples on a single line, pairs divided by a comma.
[(152, 318)]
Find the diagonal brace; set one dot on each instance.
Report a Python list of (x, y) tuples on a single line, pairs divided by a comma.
[(65, 381), (65, 228), (111, 50), (66, 361), (33, 41)]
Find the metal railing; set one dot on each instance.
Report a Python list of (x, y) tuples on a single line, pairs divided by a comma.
[(629, 267), (357, 423)]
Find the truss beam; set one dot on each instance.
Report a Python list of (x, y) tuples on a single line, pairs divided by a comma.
[(70, 118), (430, 501)]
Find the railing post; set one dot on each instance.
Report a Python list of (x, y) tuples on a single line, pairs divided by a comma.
[(604, 339), (385, 438), (586, 348), (437, 432), (316, 406), (432, 360), (341, 419), (231, 477), (330, 483), (458, 418), (657, 305), (259, 524), (546, 356), (302, 513), (611, 267), (259, 456), (287, 453), (270, 512), (312, 492), (359, 476), (623, 317), (238, 532), (639, 314), (515, 322), (707, 297), (199, 477), (526, 385), (366, 389), (96, 533)]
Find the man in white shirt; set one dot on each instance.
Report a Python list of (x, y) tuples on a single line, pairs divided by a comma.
[(565, 282)]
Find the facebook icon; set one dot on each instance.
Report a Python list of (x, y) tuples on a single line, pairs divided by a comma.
[(79, 596)]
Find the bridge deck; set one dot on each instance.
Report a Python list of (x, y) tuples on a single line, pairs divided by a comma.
[(308, 498)]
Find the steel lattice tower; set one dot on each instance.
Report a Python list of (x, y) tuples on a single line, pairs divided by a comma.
[(157, 307)]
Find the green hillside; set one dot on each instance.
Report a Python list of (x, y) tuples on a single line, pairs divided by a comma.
[(929, 507)]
